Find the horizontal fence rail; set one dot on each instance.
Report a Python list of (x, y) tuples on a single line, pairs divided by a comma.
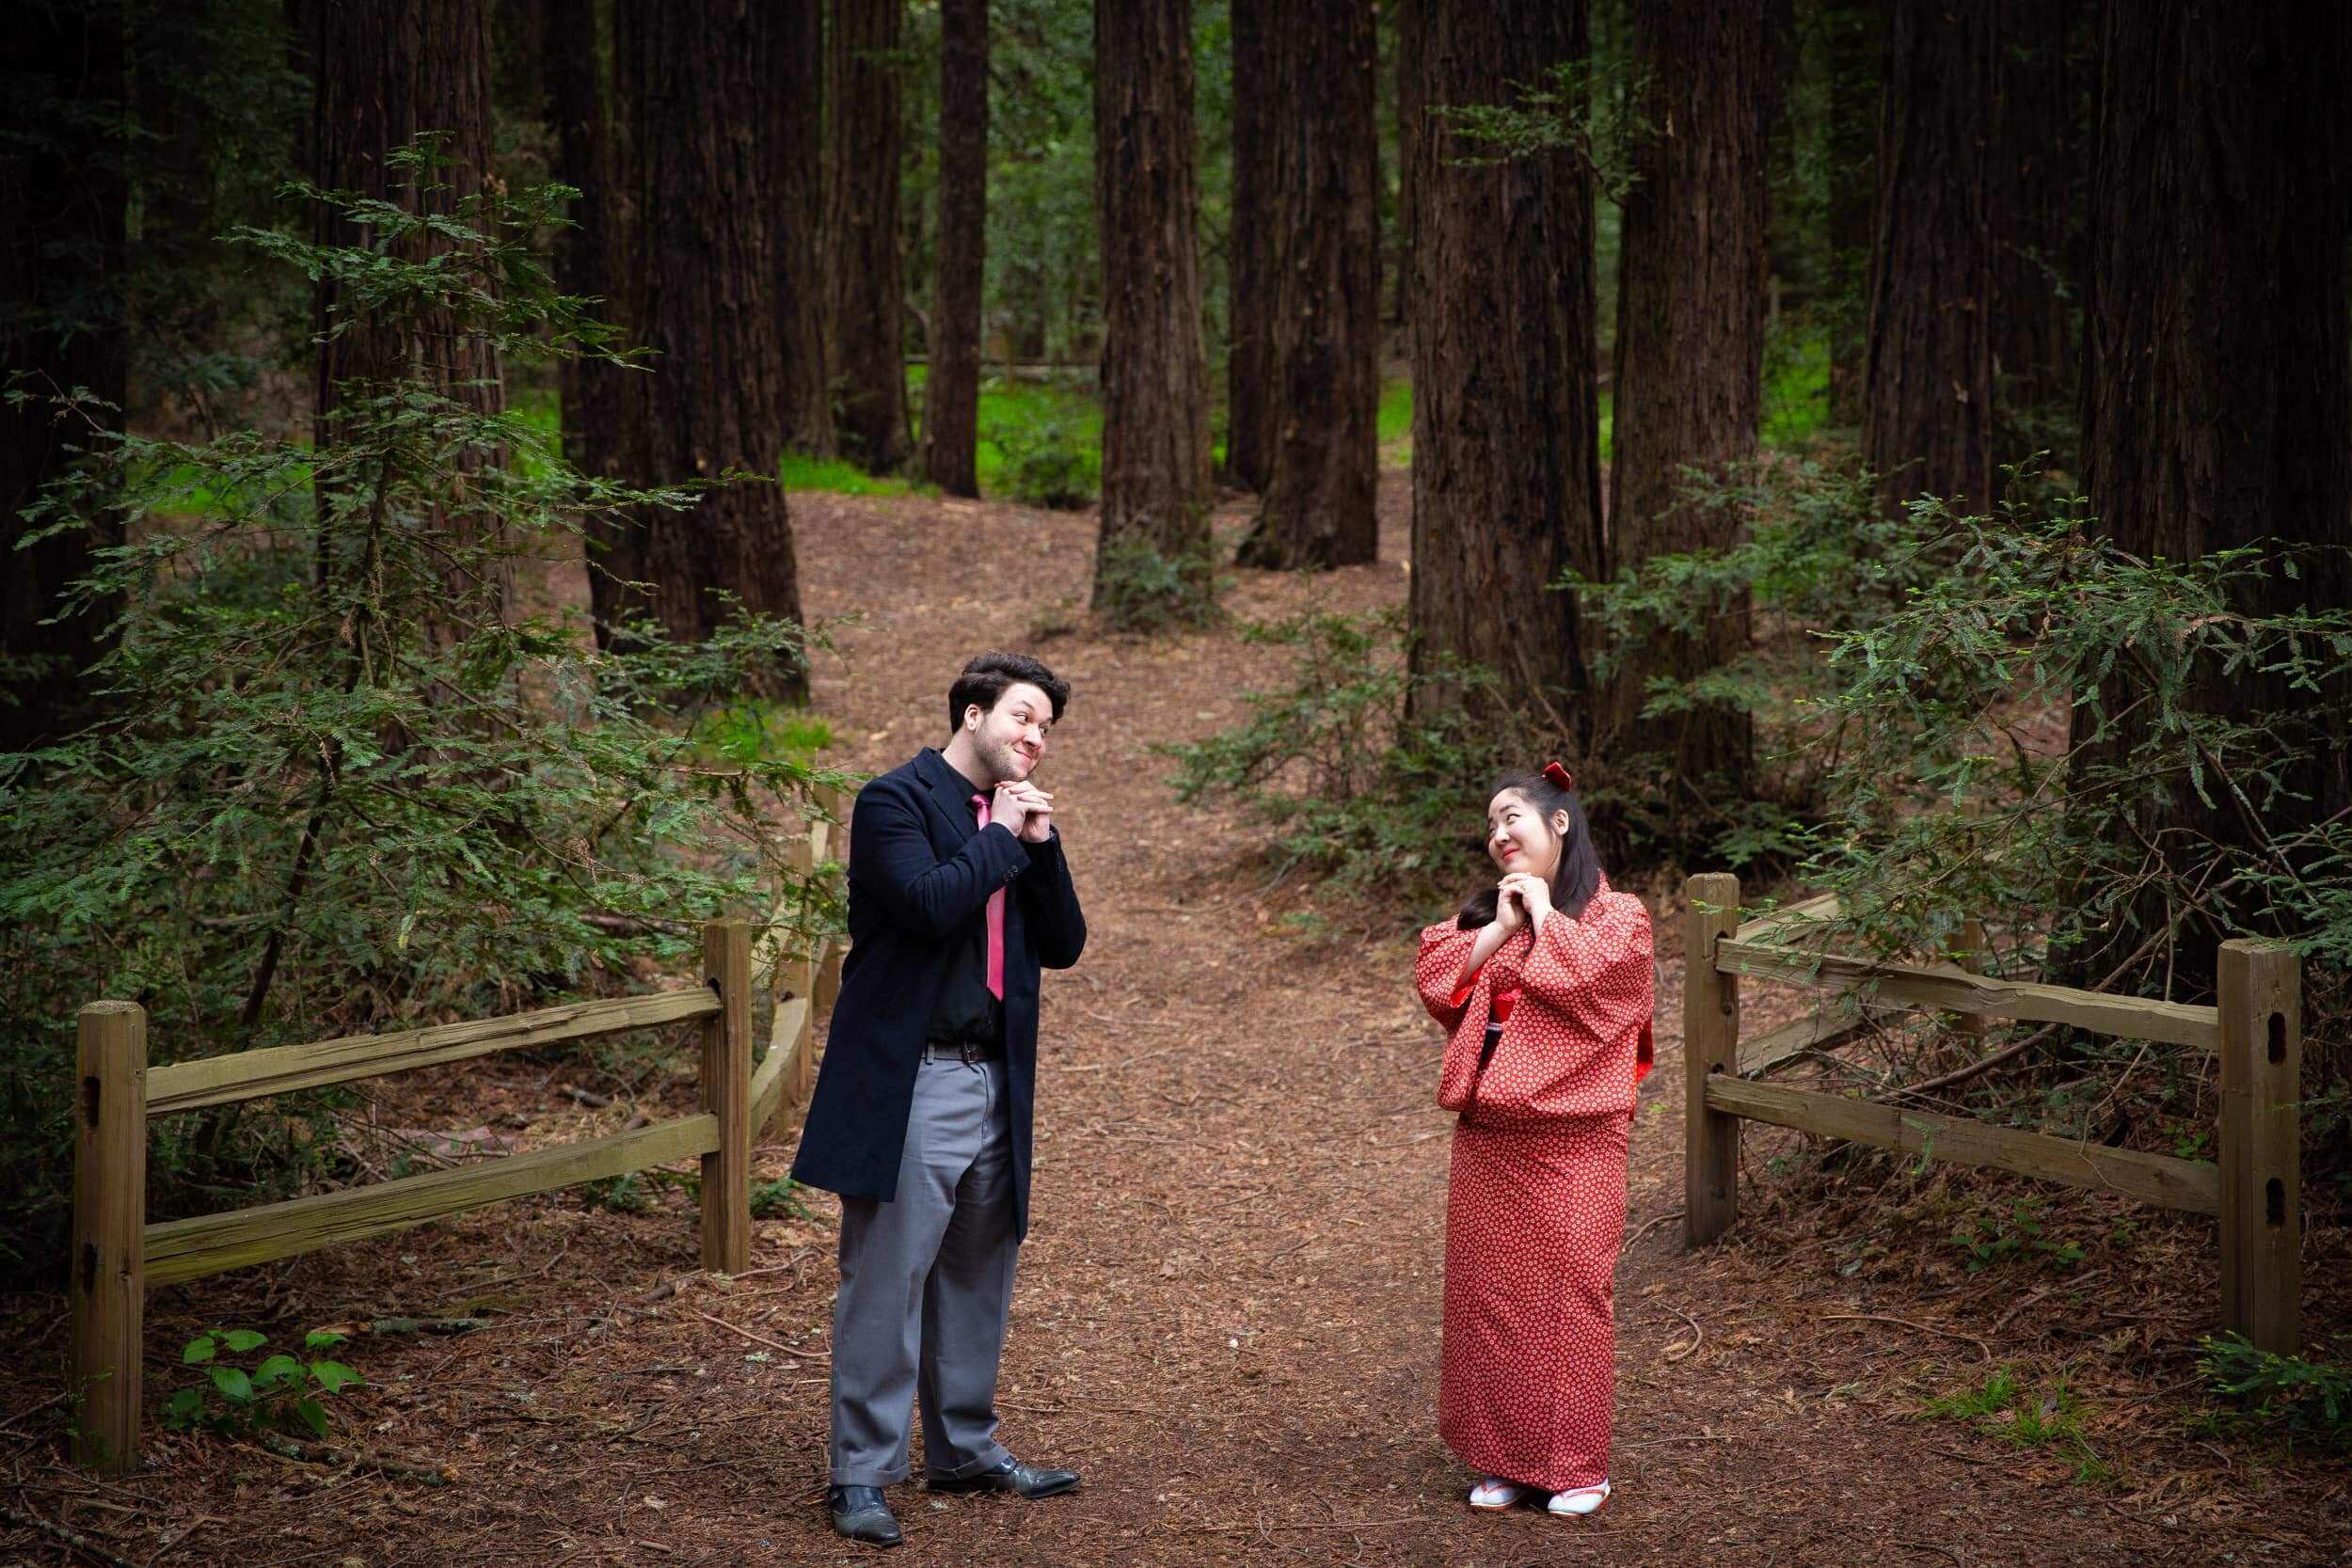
[(2255, 1027), (118, 1256)]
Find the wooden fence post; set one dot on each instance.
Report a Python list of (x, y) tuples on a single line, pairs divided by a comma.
[(109, 1277), (1710, 1043), (2261, 1003), (726, 1185)]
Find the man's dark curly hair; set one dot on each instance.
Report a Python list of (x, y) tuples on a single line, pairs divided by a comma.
[(986, 679)]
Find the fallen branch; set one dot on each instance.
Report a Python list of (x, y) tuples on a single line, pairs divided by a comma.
[(33, 1410), (1627, 1245), (1906, 1323), (754, 1338), (318, 1453), (82, 1544), (1698, 1337), (361, 1327), (589, 1098)]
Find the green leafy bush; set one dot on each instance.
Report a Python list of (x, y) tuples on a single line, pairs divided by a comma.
[(1356, 791), (281, 1392), (338, 786), (1140, 587), (1053, 461), (2303, 1399)]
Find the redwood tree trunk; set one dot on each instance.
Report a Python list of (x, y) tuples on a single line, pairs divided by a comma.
[(865, 278), (1690, 351), (2032, 207), (714, 400), (1927, 381), (597, 397), (1506, 479), (2217, 392), (793, 132), (1153, 558), (387, 72), (1322, 212), (61, 265), (1854, 59), (951, 388), (1249, 390)]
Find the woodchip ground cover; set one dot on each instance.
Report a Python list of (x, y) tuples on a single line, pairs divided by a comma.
[(1229, 1306)]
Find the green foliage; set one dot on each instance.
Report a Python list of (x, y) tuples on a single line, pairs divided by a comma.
[(1596, 111), (2284, 1393), (282, 1392), (1356, 792), (1795, 384), (2008, 1410), (797, 471), (780, 1196), (338, 786), (1041, 443), (629, 1193), (1994, 1239), (1140, 587)]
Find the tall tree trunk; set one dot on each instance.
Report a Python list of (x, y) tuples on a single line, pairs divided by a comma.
[(62, 205), (1927, 400), (1855, 57), (1690, 352), (388, 72), (596, 398), (1153, 558), (951, 388), (792, 54), (1410, 127), (2032, 210), (863, 274), (2217, 392), (714, 400), (1249, 389), (1507, 457), (1323, 216)]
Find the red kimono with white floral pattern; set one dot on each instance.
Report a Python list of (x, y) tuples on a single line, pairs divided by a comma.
[(1535, 1206)]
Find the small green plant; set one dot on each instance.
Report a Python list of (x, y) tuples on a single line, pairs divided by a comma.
[(1356, 791), (283, 1393), (780, 1196), (1991, 1239), (626, 1193), (1054, 461), (2004, 1408), (1140, 587), (2301, 1399)]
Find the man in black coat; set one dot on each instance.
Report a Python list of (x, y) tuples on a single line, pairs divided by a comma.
[(922, 1115)]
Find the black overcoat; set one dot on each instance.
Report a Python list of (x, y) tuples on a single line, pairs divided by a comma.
[(920, 874)]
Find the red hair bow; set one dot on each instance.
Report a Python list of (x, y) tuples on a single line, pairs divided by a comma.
[(1558, 775)]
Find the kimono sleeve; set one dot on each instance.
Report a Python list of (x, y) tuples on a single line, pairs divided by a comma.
[(1598, 973), (1437, 971)]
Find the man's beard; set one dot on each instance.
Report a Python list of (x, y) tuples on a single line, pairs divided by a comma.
[(1004, 764)]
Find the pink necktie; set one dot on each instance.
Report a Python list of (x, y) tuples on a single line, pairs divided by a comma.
[(995, 923)]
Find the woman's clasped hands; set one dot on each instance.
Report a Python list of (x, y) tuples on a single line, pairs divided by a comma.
[(1525, 902)]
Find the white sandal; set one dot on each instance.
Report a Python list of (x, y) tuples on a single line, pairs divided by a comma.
[(1494, 1493), (1584, 1499)]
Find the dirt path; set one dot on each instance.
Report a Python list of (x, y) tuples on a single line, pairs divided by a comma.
[(1229, 1306)]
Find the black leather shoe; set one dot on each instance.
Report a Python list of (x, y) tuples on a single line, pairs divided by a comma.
[(1011, 1476), (859, 1513)]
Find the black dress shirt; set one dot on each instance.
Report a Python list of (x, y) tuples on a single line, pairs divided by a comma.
[(966, 1011)]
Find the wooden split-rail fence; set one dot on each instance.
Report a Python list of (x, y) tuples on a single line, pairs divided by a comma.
[(119, 1255), (2255, 1027)]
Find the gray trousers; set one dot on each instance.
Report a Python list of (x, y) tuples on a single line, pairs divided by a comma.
[(926, 1285)]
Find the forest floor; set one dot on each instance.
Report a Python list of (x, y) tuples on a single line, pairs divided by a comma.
[(1228, 1310)]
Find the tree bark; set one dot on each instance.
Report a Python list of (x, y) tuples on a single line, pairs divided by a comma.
[(792, 54), (2035, 161), (714, 400), (1855, 59), (1928, 377), (596, 398), (865, 276), (388, 72), (952, 385), (1507, 481), (61, 278), (1249, 390), (1689, 352), (1409, 128), (2217, 392), (1153, 558), (1322, 212)]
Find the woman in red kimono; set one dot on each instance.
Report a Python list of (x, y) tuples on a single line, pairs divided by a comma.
[(1544, 984)]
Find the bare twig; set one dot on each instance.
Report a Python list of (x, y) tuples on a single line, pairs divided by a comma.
[(754, 1338), (318, 1453), (1698, 1337), (33, 1409), (1906, 1323), (79, 1543), (1627, 1245)]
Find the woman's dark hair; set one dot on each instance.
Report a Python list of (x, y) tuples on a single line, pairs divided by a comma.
[(1574, 880), (987, 678)]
